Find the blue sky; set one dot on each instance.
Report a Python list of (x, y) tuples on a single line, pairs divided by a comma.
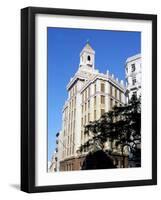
[(64, 45)]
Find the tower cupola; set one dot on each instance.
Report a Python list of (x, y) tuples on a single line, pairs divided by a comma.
[(87, 57)]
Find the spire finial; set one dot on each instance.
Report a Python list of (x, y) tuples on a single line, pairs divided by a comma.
[(87, 41)]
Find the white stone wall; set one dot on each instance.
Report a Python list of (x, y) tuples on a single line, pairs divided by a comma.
[(78, 123)]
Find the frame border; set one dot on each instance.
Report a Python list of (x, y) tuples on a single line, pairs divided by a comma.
[(28, 99)]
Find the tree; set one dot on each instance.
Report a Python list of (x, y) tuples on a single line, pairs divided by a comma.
[(122, 124), (97, 160)]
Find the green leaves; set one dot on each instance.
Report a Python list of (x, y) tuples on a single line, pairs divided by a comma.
[(122, 124)]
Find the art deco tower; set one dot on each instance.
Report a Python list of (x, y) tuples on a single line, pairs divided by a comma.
[(90, 94)]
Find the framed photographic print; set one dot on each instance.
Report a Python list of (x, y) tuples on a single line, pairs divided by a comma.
[(88, 99)]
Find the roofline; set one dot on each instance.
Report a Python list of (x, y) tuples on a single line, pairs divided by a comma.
[(92, 50), (132, 58), (106, 78), (74, 79)]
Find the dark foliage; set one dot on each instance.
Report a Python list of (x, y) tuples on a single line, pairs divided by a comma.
[(97, 160), (122, 124)]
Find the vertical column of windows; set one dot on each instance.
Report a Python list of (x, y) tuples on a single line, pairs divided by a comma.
[(82, 118), (71, 128), (88, 110), (73, 132)]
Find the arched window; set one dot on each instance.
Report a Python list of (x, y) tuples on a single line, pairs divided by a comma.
[(88, 58)]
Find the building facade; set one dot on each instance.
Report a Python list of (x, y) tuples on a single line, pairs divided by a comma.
[(53, 164), (133, 76), (133, 73), (90, 94)]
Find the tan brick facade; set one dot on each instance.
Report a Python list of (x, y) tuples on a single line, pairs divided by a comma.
[(72, 164)]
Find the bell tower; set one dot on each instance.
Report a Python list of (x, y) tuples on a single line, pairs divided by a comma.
[(87, 57)]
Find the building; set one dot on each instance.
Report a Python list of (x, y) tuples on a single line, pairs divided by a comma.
[(133, 87), (55, 160), (133, 76), (52, 165), (90, 94)]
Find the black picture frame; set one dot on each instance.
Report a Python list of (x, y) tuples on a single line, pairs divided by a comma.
[(28, 98)]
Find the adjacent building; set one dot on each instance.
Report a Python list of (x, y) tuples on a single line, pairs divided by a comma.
[(133, 76), (52, 165), (55, 161)]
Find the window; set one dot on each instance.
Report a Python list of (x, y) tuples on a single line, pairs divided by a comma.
[(88, 58), (72, 116), (74, 113), (69, 116), (111, 90), (102, 99), (68, 139), (75, 102), (95, 88), (134, 93), (72, 104), (85, 94), (88, 104), (116, 93), (102, 111), (102, 87), (111, 103), (82, 121), (73, 91), (88, 117), (134, 81), (133, 67), (89, 91), (82, 97), (85, 106), (120, 95), (81, 135), (71, 127), (95, 100), (94, 114)]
